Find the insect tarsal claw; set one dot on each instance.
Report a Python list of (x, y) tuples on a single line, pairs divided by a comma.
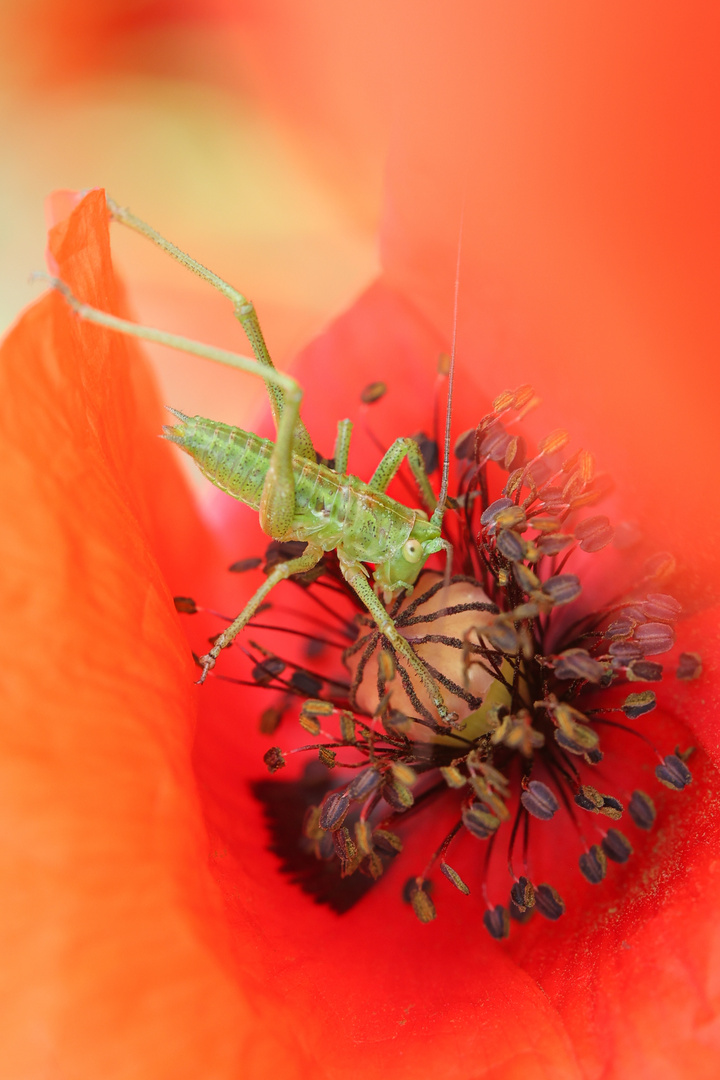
[(207, 663)]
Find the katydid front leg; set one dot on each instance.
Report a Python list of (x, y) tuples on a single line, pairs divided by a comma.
[(355, 576), (391, 461), (310, 557)]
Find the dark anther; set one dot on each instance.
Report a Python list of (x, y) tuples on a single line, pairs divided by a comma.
[(577, 739), (593, 864), (563, 588), (270, 720), (334, 810), (526, 579), (364, 784), (553, 500), (611, 807), (689, 666), (345, 850), (465, 446), (645, 671), (589, 798), (494, 443), (306, 683), (327, 756), (480, 823), (497, 922), (280, 551), (510, 545), (674, 773), (642, 810), (594, 533), (274, 759), (553, 545), (549, 902), (387, 842), (617, 846), (636, 705), (185, 604), (397, 795), (661, 608), (539, 800), (267, 670), (420, 899), (621, 627), (512, 517), (520, 916), (373, 392), (522, 894), (655, 638), (454, 877), (502, 634), (578, 664), (428, 450), (489, 515), (623, 652), (242, 565)]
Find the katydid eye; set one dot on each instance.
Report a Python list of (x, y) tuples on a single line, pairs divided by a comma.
[(412, 551)]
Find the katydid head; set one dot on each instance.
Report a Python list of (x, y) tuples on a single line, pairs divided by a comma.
[(402, 569)]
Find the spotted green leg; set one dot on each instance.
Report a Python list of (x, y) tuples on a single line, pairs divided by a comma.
[(244, 311), (310, 557), (392, 460), (277, 506), (356, 577)]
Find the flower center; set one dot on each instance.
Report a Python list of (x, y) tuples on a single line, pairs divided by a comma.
[(551, 682)]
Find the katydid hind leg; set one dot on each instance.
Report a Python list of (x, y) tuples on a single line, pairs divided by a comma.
[(243, 309), (277, 508)]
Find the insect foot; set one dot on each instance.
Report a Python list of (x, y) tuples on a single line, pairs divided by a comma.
[(207, 663), (551, 678)]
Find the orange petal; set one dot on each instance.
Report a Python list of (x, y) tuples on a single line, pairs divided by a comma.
[(115, 950), (398, 1002)]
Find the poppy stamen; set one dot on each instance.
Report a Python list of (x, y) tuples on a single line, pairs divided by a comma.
[(533, 683)]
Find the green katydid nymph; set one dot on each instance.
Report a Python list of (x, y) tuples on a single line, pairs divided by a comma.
[(296, 497)]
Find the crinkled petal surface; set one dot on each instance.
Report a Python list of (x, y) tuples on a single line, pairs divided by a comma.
[(627, 981), (148, 930), (115, 955), (132, 955)]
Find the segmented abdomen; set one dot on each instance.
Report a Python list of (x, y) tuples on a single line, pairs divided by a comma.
[(234, 460), (330, 510)]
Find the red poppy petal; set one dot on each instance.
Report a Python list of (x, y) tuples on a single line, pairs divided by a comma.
[(415, 973), (590, 231), (115, 953)]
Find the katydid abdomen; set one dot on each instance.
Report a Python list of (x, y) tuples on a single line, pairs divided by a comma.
[(331, 510)]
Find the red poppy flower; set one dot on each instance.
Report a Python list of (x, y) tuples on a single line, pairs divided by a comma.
[(148, 928), (127, 947)]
